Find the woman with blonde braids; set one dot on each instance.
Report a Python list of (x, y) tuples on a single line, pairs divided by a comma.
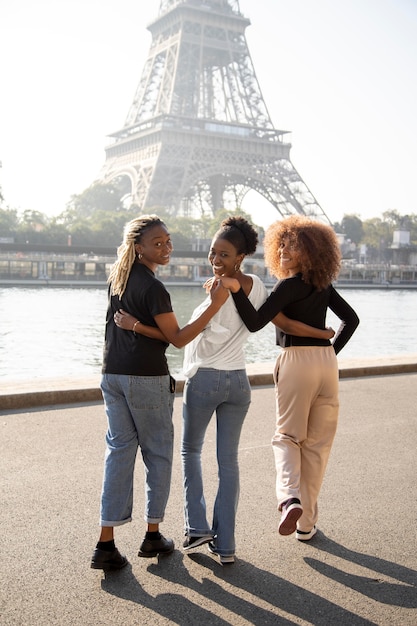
[(305, 256), (137, 388)]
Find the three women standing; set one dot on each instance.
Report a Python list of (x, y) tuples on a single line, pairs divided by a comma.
[(217, 383)]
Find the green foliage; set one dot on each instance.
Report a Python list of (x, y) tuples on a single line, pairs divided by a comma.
[(9, 222), (98, 215), (352, 227), (402, 222), (413, 229), (377, 236), (97, 197), (222, 214)]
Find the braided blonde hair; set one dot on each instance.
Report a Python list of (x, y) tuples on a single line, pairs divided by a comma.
[(126, 253)]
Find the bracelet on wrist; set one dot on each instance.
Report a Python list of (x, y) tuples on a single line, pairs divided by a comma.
[(134, 325)]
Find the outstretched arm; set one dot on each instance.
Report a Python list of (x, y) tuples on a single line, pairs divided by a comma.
[(299, 329), (168, 325), (271, 310)]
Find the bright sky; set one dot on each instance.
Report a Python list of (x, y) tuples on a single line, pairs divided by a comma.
[(341, 75)]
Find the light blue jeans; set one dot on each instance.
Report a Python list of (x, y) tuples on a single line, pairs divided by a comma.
[(139, 414), (228, 394)]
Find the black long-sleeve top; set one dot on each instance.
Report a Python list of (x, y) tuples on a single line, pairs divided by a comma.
[(302, 302)]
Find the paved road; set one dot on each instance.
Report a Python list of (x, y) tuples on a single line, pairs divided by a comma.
[(360, 568)]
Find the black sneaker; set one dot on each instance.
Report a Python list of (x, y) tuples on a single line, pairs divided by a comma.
[(225, 559), (291, 513), (193, 542), (107, 561), (153, 547)]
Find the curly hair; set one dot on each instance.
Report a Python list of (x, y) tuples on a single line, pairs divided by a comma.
[(126, 253), (240, 233), (317, 246)]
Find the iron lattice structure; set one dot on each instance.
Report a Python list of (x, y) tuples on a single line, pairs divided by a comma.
[(198, 135)]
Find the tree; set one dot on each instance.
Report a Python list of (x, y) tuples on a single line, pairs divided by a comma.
[(377, 235), (34, 220), (97, 216), (394, 219), (98, 197), (32, 227), (55, 233), (352, 227), (9, 222), (222, 214), (413, 228), (106, 228)]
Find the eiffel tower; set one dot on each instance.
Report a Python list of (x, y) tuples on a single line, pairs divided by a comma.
[(198, 135)]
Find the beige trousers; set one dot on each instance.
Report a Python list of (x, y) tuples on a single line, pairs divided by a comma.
[(307, 403)]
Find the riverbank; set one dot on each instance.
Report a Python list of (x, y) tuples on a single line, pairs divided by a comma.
[(45, 392)]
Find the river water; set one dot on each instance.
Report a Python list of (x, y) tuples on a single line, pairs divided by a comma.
[(58, 332)]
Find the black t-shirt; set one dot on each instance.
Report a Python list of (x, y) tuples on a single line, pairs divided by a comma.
[(124, 351), (304, 303)]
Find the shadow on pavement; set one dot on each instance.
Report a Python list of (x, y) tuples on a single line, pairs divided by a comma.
[(262, 587), (403, 594)]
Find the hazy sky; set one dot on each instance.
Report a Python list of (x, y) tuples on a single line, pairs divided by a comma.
[(341, 75)]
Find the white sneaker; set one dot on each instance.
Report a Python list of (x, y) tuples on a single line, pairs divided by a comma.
[(305, 535)]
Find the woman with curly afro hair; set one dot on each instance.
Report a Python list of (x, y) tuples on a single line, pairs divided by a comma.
[(304, 256)]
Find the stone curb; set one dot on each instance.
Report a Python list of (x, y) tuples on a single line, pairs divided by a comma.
[(45, 392)]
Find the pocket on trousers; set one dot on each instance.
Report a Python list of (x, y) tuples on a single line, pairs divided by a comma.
[(204, 383), (146, 392)]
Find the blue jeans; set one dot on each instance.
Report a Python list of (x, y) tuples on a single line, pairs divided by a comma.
[(139, 414), (228, 394)]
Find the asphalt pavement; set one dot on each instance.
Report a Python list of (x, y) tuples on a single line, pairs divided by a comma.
[(359, 569)]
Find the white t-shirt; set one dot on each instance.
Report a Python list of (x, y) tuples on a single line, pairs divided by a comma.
[(220, 345)]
